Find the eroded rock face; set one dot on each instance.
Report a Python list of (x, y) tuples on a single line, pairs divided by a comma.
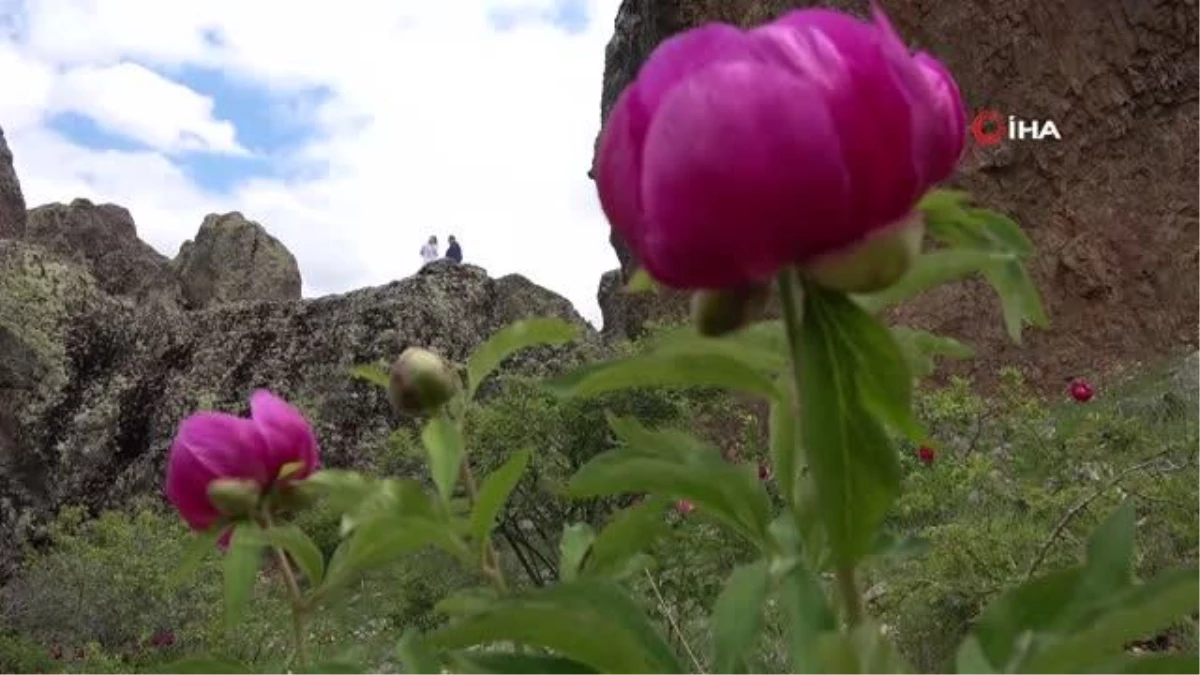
[(1111, 208), (12, 202), (97, 430), (103, 239), (233, 259)]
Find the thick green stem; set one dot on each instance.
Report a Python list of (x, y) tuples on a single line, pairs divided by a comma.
[(791, 294), (299, 608)]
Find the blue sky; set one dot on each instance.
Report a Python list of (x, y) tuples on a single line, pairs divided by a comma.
[(350, 135)]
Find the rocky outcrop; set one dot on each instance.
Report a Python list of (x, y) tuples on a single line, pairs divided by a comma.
[(233, 259), (98, 430), (1111, 207), (12, 202), (103, 239)]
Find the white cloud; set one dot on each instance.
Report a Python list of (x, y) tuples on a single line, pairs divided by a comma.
[(436, 123)]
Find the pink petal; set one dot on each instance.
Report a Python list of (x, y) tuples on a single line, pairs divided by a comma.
[(619, 166), (288, 436), (228, 446), (947, 101), (738, 159)]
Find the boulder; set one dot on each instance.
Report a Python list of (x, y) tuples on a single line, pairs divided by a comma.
[(12, 202), (103, 239), (233, 259)]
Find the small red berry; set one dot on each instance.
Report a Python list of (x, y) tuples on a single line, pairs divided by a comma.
[(925, 454), (685, 507), (1081, 391)]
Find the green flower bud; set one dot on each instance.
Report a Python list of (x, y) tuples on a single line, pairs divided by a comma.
[(420, 381), (874, 263), (234, 497), (721, 311)]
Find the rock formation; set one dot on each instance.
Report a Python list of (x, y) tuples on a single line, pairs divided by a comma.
[(234, 259), (103, 239), (12, 202), (1111, 207), (94, 380)]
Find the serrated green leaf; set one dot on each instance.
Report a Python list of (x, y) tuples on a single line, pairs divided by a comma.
[(641, 282), (512, 339), (415, 654), (630, 532), (593, 623), (737, 616), (576, 540), (240, 568), (919, 347), (494, 492), (667, 368), (302, 550), (507, 662), (443, 441), (205, 664), (786, 453), (850, 372), (931, 270), (375, 373)]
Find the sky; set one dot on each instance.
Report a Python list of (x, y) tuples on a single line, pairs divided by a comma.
[(352, 130)]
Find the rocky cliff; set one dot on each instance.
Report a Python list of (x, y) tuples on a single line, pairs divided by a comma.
[(1112, 208), (100, 358)]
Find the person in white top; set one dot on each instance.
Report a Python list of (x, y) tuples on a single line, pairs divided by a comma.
[(429, 252)]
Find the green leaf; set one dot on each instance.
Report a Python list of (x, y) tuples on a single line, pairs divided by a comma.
[(851, 372), (785, 444), (931, 270), (1019, 299), (241, 571), (1136, 613), (381, 540), (641, 282), (630, 532), (1158, 663), (919, 347), (302, 550), (375, 373), (507, 662), (343, 490), (1032, 607), (593, 623), (801, 597), (205, 664), (1110, 549), (201, 546), (737, 616), (494, 492), (512, 339), (971, 659), (667, 368), (1002, 230), (415, 654), (863, 650), (676, 465), (467, 601), (443, 441), (576, 540)]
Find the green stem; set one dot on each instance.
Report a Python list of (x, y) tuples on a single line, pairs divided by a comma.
[(299, 609), (791, 293), (489, 563)]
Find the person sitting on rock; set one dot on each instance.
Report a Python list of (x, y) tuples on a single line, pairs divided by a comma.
[(429, 252), (454, 251)]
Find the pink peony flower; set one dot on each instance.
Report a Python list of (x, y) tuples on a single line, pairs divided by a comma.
[(210, 446), (926, 455), (1082, 391), (685, 507), (735, 153)]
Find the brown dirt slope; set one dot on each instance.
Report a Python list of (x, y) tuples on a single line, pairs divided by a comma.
[(1112, 208)]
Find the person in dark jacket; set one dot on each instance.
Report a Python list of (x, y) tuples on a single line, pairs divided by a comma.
[(454, 251)]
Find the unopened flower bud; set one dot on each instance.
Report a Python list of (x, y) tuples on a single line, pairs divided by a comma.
[(420, 381), (234, 496), (721, 311), (873, 264)]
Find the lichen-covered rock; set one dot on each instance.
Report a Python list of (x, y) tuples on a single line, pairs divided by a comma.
[(103, 239), (12, 202), (132, 372), (233, 259)]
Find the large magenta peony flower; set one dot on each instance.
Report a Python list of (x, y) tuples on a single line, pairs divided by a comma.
[(735, 153), (211, 446)]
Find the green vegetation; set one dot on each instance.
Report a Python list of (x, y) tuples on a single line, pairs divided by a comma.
[(1016, 486)]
